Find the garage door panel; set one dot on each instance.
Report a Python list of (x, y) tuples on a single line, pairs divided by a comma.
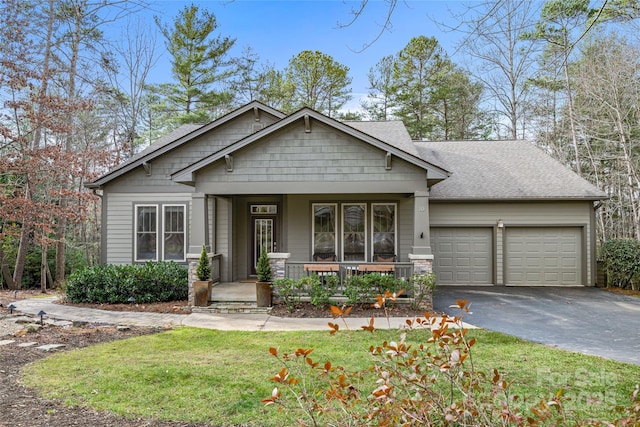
[(543, 256), (463, 255)]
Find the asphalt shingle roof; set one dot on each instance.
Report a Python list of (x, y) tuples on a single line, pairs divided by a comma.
[(498, 170), (392, 132), (161, 142)]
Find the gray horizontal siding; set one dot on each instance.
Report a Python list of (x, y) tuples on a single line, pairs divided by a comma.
[(119, 221), (514, 213)]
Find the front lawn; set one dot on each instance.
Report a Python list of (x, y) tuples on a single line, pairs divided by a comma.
[(220, 377)]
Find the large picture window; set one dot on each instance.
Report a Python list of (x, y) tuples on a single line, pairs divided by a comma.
[(383, 224), (324, 229), (351, 238), (354, 226), (160, 237)]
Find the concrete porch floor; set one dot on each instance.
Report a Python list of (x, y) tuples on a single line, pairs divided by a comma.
[(244, 291)]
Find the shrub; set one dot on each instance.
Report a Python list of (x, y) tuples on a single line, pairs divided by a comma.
[(287, 290), (264, 268), (320, 289), (433, 383), (621, 259), (358, 290), (423, 285), (381, 283), (111, 284), (203, 269)]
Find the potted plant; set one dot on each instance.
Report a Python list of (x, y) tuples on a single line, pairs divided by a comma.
[(263, 285), (202, 286)]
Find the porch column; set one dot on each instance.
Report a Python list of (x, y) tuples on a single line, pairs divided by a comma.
[(421, 230), (198, 236), (198, 229)]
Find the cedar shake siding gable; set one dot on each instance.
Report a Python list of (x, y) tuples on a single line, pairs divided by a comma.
[(311, 148), (194, 141), (503, 170)]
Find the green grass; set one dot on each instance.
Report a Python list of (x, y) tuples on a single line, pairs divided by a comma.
[(219, 377)]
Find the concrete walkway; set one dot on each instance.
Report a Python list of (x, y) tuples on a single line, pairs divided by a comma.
[(223, 322)]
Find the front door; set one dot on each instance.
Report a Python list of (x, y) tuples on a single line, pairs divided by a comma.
[(263, 232)]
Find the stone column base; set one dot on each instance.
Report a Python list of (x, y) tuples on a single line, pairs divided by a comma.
[(422, 264), (278, 261)]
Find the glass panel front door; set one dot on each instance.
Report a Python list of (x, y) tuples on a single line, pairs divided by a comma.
[(263, 237)]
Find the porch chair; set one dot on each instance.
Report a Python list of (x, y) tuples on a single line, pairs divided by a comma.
[(324, 257), (384, 258)]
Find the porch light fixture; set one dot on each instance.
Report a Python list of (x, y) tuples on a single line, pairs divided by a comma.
[(500, 224), (387, 161), (147, 168), (228, 158), (41, 313), (11, 307)]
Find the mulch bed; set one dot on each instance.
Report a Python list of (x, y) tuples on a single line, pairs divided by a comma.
[(21, 406)]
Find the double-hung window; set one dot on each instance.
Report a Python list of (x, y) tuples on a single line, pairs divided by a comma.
[(160, 232), (174, 232), (146, 236)]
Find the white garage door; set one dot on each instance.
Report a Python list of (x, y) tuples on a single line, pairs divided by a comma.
[(543, 256), (463, 256)]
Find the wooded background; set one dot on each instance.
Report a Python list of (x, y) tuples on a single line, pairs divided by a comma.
[(563, 74)]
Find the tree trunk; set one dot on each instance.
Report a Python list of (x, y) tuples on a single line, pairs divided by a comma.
[(6, 273), (43, 269), (73, 69)]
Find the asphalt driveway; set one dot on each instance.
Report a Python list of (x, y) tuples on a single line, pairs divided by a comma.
[(585, 320)]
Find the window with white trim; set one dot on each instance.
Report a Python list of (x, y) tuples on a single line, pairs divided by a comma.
[(324, 229), (174, 239), (146, 235), (383, 230), (158, 237), (354, 232)]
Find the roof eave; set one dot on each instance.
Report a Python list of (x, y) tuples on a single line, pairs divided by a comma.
[(191, 135), (439, 172), (519, 199)]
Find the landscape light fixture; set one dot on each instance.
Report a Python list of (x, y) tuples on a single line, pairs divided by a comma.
[(11, 307), (131, 299), (41, 313)]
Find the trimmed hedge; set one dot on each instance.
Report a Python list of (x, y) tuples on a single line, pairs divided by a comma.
[(621, 258), (112, 284)]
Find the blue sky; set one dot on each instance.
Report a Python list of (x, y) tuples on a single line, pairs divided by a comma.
[(278, 30)]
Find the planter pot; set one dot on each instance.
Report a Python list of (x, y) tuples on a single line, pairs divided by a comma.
[(201, 293), (263, 294)]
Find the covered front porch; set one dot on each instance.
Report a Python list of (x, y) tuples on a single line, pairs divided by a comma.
[(241, 296), (344, 233)]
